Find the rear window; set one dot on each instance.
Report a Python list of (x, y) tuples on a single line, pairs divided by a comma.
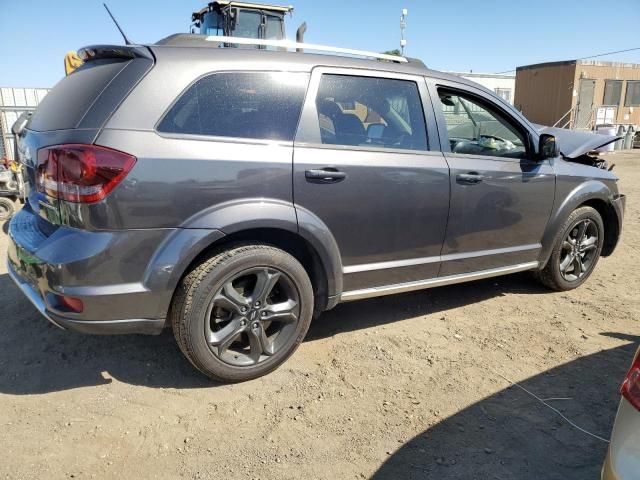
[(69, 100), (262, 105)]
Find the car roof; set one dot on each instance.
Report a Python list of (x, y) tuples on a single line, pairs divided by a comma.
[(197, 48)]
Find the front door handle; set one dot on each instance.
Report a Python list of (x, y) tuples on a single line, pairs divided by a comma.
[(470, 178), (324, 175)]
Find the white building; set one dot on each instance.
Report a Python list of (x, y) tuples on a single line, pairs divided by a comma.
[(503, 85)]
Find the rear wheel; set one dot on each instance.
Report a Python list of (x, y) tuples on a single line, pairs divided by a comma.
[(243, 312), (576, 251), (7, 209)]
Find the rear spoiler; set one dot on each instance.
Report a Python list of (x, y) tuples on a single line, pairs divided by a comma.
[(96, 52)]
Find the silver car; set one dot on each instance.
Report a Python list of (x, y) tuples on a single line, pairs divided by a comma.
[(623, 458)]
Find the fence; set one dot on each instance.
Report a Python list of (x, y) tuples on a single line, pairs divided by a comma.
[(13, 102)]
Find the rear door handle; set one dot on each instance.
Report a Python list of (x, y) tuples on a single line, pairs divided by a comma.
[(470, 178), (325, 175)]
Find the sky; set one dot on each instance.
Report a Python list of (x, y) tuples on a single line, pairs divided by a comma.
[(453, 35)]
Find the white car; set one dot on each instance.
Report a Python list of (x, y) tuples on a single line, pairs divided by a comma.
[(623, 458)]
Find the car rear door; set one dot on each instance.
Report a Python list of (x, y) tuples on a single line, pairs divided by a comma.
[(368, 169), (501, 195)]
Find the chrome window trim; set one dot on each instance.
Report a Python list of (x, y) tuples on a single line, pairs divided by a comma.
[(308, 132), (367, 148)]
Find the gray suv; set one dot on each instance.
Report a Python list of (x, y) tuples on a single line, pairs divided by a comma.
[(234, 194)]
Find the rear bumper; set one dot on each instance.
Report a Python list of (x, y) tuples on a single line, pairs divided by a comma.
[(146, 326), (31, 293), (105, 270)]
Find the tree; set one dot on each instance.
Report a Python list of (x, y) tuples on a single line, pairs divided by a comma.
[(395, 51)]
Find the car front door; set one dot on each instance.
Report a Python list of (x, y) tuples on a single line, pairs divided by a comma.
[(364, 171), (501, 194)]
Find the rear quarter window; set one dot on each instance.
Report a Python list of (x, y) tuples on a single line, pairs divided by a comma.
[(66, 104), (259, 105)]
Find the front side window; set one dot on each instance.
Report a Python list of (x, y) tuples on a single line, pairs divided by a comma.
[(632, 97), (369, 111), (260, 105), (478, 130), (612, 92)]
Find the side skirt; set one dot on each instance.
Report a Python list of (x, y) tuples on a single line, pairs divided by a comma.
[(434, 282)]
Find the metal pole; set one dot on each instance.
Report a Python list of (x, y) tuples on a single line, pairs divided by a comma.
[(403, 24)]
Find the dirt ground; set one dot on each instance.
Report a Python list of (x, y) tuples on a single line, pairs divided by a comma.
[(411, 386)]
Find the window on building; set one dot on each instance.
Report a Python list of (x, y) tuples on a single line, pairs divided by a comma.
[(369, 111), (606, 115), (632, 97), (612, 92), (504, 93), (261, 105)]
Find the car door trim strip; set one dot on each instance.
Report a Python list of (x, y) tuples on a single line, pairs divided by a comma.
[(434, 282), (367, 267)]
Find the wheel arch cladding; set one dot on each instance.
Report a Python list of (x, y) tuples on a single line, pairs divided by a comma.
[(285, 240), (611, 223), (594, 194), (260, 221), (268, 213)]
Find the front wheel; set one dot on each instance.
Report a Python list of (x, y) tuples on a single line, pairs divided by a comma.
[(243, 312), (576, 251)]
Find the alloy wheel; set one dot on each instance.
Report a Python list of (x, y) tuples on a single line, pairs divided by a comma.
[(252, 316), (579, 249)]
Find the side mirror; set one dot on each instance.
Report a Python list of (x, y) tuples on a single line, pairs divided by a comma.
[(547, 146)]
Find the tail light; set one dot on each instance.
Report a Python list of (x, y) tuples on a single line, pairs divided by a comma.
[(630, 388), (81, 173)]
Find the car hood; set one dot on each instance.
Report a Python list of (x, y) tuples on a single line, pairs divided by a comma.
[(574, 144)]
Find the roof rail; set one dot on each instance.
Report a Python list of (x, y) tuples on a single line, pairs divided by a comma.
[(289, 45)]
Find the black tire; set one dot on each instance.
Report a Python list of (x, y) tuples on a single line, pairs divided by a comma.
[(7, 209), (195, 311), (552, 275)]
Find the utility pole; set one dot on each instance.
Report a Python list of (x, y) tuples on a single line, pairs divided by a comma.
[(403, 24)]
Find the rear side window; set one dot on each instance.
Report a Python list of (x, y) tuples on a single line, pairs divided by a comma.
[(369, 111), (263, 105), (66, 104)]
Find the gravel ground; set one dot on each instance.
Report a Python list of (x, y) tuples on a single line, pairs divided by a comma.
[(411, 386)]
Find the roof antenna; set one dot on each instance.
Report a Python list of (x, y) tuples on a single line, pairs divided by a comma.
[(126, 40)]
